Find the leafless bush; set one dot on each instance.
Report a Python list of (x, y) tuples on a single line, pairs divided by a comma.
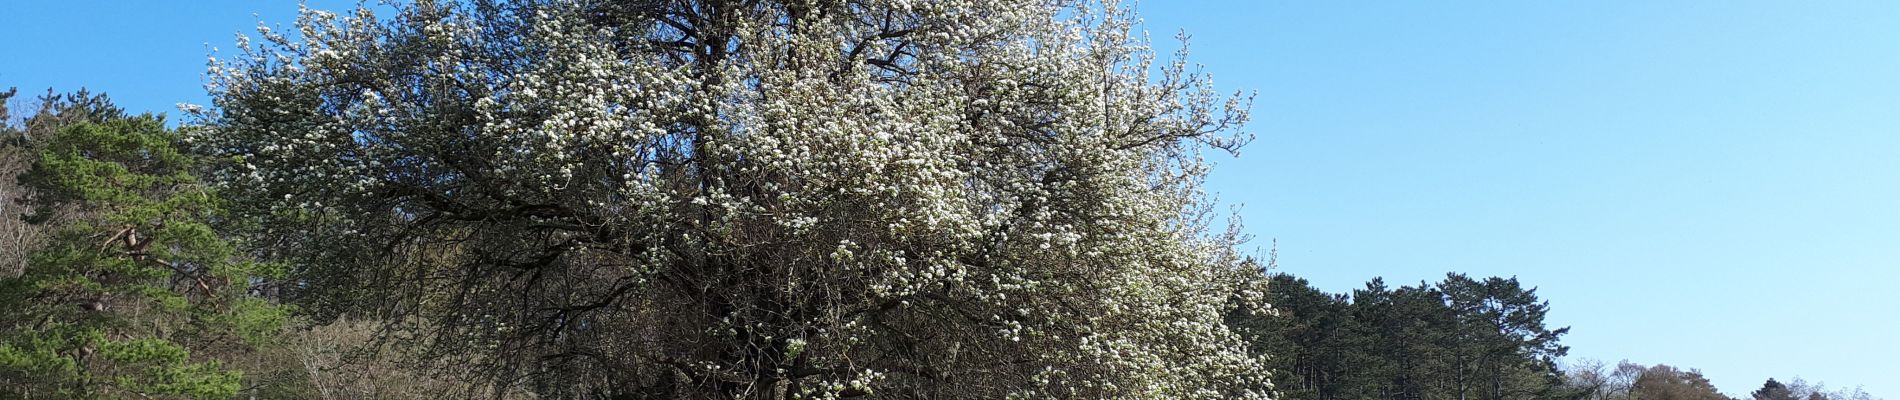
[(16, 236), (346, 360)]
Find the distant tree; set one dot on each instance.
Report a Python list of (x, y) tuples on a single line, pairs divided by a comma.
[(1773, 390), (1623, 379), (1477, 340), (134, 295), (1663, 382), (1410, 333), (1800, 388), (1505, 350), (1855, 393), (1312, 338), (1586, 379)]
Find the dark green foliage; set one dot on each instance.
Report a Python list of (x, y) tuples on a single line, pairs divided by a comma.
[(1773, 390), (20, 144), (1311, 329), (1460, 338), (1411, 334), (1509, 353), (133, 295)]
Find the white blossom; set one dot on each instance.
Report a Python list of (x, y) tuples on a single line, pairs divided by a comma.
[(844, 190)]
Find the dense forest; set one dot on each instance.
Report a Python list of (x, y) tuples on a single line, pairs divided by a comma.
[(1459, 338), (705, 199)]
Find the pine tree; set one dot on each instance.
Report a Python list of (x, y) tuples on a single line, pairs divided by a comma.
[(134, 290), (1773, 390), (1309, 333), (1505, 350)]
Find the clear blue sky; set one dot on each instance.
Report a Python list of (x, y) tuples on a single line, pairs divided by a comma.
[(1707, 184)]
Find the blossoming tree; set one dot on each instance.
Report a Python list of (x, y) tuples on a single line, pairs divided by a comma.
[(750, 198)]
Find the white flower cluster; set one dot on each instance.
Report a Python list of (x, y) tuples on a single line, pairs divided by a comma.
[(888, 192)]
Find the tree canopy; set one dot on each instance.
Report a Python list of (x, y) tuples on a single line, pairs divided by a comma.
[(133, 284), (1459, 338), (746, 198)]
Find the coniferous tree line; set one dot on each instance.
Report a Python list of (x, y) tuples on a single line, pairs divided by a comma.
[(1457, 338)]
